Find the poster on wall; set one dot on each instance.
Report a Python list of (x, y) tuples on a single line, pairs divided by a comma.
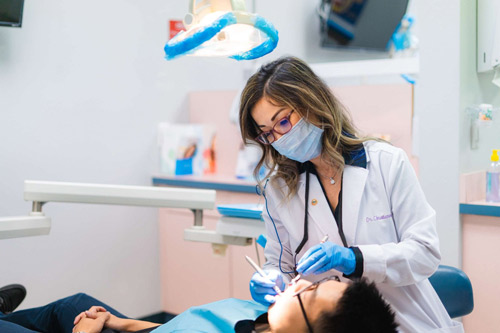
[(186, 149)]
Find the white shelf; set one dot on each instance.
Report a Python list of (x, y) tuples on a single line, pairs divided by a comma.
[(364, 68)]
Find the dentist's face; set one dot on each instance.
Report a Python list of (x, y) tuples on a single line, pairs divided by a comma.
[(285, 315), (268, 116)]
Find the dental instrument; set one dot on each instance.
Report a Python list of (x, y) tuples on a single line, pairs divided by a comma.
[(294, 280), (262, 273)]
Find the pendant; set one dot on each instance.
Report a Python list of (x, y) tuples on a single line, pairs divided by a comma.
[(332, 181)]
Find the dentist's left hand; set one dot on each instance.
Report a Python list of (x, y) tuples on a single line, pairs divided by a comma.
[(325, 256)]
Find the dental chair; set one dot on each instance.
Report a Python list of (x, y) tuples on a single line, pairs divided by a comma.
[(451, 284), (454, 289)]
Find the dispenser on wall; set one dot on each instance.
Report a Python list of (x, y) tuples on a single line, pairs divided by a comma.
[(488, 37), (495, 55)]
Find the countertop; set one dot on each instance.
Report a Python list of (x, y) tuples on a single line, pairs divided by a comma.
[(480, 208), (231, 183)]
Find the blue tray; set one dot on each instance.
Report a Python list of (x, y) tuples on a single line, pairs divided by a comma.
[(249, 211)]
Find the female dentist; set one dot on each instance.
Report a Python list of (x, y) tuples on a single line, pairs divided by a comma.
[(362, 193)]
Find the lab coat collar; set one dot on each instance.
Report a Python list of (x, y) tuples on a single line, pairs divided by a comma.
[(354, 180), (357, 157), (352, 190)]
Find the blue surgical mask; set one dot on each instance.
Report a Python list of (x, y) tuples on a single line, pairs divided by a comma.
[(302, 143)]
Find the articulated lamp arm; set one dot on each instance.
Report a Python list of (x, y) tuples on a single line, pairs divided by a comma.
[(41, 192)]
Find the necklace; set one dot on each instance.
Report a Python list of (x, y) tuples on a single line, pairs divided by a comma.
[(331, 179)]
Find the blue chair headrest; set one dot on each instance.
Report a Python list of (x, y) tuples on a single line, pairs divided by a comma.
[(454, 289)]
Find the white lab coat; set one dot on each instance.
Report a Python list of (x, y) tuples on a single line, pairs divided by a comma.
[(385, 214)]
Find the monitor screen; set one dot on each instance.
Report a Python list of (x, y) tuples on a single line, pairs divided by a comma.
[(360, 24), (11, 13)]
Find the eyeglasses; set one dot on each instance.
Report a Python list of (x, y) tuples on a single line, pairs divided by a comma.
[(283, 126), (312, 286)]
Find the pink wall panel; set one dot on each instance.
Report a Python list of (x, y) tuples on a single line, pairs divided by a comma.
[(212, 107), (376, 110), (382, 110), (190, 273), (187, 277), (241, 271)]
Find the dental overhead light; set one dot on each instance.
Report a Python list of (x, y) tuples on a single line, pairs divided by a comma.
[(222, 28)]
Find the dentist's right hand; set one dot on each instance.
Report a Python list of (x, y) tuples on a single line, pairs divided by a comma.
[(262, 288)]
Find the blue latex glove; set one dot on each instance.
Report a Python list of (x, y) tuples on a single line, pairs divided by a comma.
[(325, 256), (262, 290)]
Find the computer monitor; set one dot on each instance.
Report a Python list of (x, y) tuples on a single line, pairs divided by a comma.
[(11, 13), (360, 24)]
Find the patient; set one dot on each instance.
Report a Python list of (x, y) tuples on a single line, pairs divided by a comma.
[(324, 306)]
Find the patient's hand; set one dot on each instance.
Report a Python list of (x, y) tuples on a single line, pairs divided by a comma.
[(98, 312), (90, 325), (90, 313), (113, 321)]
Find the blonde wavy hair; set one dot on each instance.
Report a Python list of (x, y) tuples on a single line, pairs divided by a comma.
[(289, 82)]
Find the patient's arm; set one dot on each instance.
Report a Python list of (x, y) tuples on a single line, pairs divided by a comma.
[(111, 321), (129, 325), (120, 324)]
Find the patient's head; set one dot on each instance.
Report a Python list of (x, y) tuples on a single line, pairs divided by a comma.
[(331, 306)]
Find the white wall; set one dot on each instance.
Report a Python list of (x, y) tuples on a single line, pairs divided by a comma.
[(437, 108), (83, 85)]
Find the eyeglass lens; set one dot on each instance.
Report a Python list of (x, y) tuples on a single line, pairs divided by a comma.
[(315, 285), (283, 126)]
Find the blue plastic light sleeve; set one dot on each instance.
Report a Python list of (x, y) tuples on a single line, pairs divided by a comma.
[(267, 46), (176, 48)]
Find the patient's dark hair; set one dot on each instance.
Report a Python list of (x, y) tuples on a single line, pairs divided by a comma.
[(360, 309)]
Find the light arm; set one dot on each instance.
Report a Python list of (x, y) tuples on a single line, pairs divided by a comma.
[(41, 192), (145, 196)]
